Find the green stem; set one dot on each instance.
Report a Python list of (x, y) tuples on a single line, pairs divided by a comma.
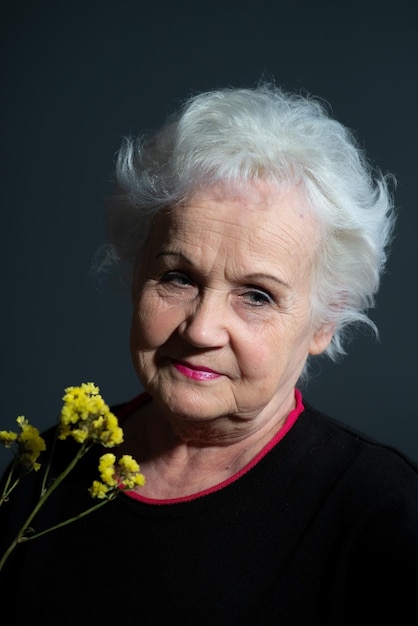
[(68, 521), (7, 489), (7, 554), (44, 496), (48, 467)]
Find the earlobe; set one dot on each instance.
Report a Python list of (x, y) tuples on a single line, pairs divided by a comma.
[(321, 339)]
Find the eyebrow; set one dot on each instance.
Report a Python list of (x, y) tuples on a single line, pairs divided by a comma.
[(256, 276), (260, 276), (180, 255)]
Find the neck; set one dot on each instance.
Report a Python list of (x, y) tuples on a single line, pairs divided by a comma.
[(176, 465)]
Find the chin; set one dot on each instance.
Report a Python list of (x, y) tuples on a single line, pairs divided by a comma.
[(194, 405)]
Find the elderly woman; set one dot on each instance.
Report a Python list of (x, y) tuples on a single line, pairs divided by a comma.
[(257, 234)]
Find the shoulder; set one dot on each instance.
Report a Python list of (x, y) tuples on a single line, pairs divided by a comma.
[(352, 445), (366, 489), (363, 471)]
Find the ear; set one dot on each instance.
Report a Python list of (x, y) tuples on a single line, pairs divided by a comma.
[(321, 339)]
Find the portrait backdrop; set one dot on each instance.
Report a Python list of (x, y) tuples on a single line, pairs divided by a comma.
[(78, 76)]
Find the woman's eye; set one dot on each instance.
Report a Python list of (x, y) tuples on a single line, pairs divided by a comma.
[(177, 279), (258, 297)]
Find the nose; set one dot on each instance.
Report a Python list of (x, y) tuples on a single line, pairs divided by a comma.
[(205, 325)]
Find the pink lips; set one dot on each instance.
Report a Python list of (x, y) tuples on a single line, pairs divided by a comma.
[(195, 372)]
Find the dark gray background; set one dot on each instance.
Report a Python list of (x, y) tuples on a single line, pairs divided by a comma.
[(77, 76)]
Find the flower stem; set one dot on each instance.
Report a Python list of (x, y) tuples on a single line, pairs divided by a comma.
[(68, 521), (7, 487), (48, 467), (44, 496)]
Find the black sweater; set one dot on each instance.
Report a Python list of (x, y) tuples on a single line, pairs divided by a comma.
[(323, 530)]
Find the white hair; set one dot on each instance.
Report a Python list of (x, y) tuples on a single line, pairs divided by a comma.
[(264, 132)]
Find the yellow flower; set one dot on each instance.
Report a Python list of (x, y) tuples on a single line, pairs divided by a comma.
[(129, 472), (7, 438), (107, 469), (29, 444), (108, 487), (79, 435), (98, 490), (126, 475), (86, 417)]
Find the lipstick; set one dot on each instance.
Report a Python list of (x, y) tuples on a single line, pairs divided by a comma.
[(195, 372)]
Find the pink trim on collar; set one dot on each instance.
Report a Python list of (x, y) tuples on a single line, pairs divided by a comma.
[(290, 421)]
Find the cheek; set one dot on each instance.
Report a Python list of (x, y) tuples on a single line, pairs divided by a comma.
[(152, 322), (277, 346), (258, 356), (146, 336)]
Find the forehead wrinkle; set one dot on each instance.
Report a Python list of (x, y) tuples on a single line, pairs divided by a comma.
[(246, 234)]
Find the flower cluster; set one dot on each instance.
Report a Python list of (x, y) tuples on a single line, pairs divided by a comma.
[(86, 417), (126, 475), (88, 420), (28, 444)]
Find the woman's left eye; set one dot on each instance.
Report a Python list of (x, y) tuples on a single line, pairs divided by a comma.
[(258, 297)]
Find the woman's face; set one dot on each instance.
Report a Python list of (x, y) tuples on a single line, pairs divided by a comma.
[(221, 322)]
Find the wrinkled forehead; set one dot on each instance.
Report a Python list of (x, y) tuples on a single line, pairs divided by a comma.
[(252, 206), (256, 221)]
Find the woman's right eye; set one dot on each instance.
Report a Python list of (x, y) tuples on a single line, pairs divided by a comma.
[(177, 279)]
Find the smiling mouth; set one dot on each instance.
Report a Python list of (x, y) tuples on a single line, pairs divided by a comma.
[(195, 372)]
